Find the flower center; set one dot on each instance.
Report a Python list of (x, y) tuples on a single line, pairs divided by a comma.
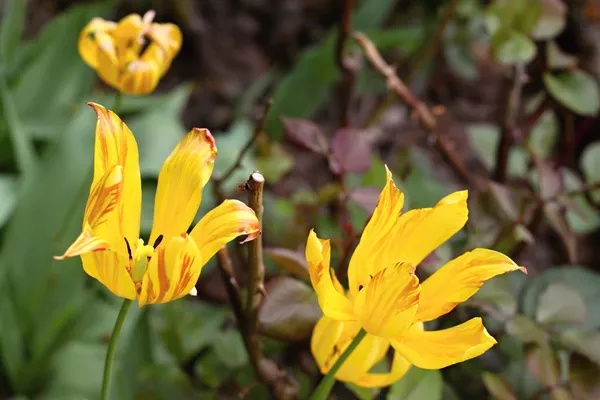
[(140, 259)]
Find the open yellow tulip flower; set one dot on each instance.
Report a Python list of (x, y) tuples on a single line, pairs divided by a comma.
[(386, 299), (131, 55), (168, 266)]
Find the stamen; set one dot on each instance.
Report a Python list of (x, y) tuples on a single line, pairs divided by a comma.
[(158, 240)]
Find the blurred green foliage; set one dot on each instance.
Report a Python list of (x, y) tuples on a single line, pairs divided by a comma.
[(55, 320)]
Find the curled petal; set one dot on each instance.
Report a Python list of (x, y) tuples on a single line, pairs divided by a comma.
[(115, 145), (330, 339), (168, 37), (439, 349), (140, 77), (388, 304), (221, 225), (375, 235), (333, 303), (400, 366), (88, 39), (180, 183), (107, 60), (109, 268), (172, 272), (460, 279), (129, 38)]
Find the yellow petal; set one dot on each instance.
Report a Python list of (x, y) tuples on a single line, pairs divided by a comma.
[(439, 349), (333, 303), (100, 221), (388, 304), (167, 36), (107, 60), (140, 77), (221, 225), (129, 38), (400, 366), (115, 145), (109, 268), (460, 279), (88, 44), (180, 183), (172, 272), (329, 340), (376, 234)]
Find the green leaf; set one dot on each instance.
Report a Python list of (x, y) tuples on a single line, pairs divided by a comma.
[(577, 90), (11, 29), (586, 343), (552, 20), (581, 216), (418, 384), (590, 164), (362, 393), (525, 330), (461, 61), (561, 304), (230, 349), (513, 48), (290, 310), (292, 261), (497, 386), (485, 138), (586, 282), (8, 197), (543, 365), (276, 164), (544, 135)]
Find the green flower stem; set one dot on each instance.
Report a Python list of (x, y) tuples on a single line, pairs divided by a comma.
[(326, 384), (112, 347)]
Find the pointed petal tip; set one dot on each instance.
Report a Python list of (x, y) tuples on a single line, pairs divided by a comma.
[(209, 138), (251, 236), (524, 270), (59, 258)]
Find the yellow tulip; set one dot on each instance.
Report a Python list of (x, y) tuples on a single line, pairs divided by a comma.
[(168, 267), (386, 299), (132, 55)]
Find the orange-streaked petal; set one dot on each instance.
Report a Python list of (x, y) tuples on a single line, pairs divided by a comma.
[(172, 272), (329, 340), (86, 242), (129, 38), (333, 303), (116, 145), (88, 43), (140, 77), (376, 233), (400, 366), (439, 349), (388, 304), (109, 268), (460, 279), (180, 183), (221, 225)]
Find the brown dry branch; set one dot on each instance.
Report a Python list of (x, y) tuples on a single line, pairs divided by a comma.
[(507, 137), (346, 70), (425, 116)]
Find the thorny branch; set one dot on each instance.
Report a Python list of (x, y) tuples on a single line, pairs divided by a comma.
[(507, 138), (426, 117), (346, 70)]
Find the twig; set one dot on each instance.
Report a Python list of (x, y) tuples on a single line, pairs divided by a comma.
[(233, 290), (507, 138), (346, 70), (258, 129), (426, 117), (281, 386)]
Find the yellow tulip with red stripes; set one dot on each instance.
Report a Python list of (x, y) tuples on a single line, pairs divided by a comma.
[(168, 266), (131, 55), (387, 300)]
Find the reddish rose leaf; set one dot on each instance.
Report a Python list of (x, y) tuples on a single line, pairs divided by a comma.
[(292, 261), (306, 134), (351, 151), (365, 197), (290, 310)]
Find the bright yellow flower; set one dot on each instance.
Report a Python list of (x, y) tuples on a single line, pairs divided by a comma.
[(386, 299), (132, 55), (168, 267)]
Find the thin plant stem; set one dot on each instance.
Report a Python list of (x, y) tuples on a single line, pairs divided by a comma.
[(326, 384), (112, 347)]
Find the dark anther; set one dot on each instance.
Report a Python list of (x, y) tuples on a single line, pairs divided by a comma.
[(360, 287), (128, 248), (157, 241), (92, 35)]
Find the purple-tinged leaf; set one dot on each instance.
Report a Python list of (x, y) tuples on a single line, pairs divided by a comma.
[(365, 197), (306, 134), (290, 260), (351, 151), (290, 310)]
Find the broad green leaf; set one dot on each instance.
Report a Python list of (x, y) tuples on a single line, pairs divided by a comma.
[(513, 48), (586, 343), (11, 28), (229, 348), (543, 365), (552, 20), (561, 304), (581, 216), (418, 384), (8, 197), (497, 386), (544, 135), (590, 164), (485, 138), (276, 164), (361, 392), (461, 61), (577, 90), (526, 330)]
